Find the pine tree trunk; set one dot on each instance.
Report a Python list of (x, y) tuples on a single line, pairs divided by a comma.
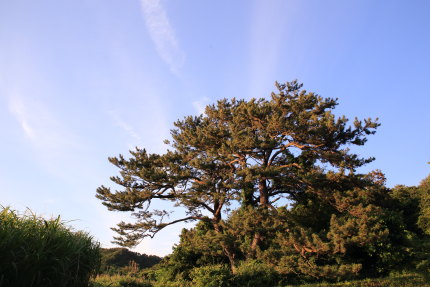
[(264, 202), (264, 197), (228, 250), (231, 258)]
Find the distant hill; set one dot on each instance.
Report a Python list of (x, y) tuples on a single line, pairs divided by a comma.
[(118, 258)]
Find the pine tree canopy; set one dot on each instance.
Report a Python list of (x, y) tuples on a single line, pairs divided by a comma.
[(254, 155)]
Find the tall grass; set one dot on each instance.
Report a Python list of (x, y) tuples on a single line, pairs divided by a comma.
[(39, 252)]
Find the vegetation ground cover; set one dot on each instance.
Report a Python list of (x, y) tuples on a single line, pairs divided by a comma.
[(403, 280)]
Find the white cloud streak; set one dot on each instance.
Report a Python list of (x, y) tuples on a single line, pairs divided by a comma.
[(52, 145), (200, 105), (125, 126), (19, 110), (163, 34), (42, 128)]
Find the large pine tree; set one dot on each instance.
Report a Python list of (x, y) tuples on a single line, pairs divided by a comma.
[(260, 154)]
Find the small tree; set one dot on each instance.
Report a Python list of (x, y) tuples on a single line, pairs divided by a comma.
[(250, 152)]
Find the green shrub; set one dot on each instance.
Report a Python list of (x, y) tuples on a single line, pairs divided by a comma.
[(254, 273), (167, 276), (38, 252), (211, 276)]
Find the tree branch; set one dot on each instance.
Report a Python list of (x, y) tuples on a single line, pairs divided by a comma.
[(163, 225)]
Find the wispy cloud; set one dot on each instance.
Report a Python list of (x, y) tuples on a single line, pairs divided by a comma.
[(50, 143), (19, 110), (201, 104), (39, 125), (163, 34), (125, 126)]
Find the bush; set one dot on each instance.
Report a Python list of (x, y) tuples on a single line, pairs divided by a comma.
[(38, 252), (211, 276), (254, 273), (168, 276)]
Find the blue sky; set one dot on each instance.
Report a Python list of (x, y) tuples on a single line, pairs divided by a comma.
[(84, 80)]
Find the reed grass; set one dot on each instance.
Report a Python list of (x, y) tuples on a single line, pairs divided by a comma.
[(38, 252)]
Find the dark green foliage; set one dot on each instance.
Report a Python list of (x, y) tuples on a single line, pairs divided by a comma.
[(355, 244), (424, 215), (192, 252), (413, 203), (118, 260), (39, 252), (407, 202)]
